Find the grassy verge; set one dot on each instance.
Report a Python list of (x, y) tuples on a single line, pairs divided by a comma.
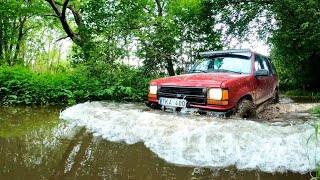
[(313, 96), (315, 110), (300, 92), (21, 86)]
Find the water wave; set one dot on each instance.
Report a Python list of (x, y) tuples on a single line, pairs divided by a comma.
[(200, 140)]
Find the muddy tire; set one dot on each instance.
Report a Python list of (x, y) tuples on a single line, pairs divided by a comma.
[(275, 98), (246, 109)]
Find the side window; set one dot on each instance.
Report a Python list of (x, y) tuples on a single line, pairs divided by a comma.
[(266, 64), (262, 62), (257, 62), (274, 71)]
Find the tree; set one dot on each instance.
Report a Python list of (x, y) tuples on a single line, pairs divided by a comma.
[(296, 42), (291, 26), (101, 34), (156, 29), (176, 29), (78, 37), (17, 19)]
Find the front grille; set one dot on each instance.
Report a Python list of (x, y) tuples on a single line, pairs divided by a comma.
[(182, 90), (191, 94)]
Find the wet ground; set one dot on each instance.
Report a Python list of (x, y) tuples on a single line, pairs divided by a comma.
[(287, 109), (102, 140)]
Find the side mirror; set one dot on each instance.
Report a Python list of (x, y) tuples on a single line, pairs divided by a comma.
[(261, 72)]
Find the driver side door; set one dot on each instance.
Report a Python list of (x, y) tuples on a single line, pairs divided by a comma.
[(264, 83)]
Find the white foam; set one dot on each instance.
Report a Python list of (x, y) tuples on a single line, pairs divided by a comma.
[(200, 140)]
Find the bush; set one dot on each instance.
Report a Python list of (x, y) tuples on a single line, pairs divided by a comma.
[(21, 86)]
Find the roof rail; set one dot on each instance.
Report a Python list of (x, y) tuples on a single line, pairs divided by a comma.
[(231, 51)]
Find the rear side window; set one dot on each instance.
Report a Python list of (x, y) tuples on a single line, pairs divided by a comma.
[(262, 62), (273, 69), (259, 63)]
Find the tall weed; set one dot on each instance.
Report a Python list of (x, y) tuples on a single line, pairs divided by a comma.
[(313, 157)]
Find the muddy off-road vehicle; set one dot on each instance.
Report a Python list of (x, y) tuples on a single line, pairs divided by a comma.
[(226, 82)]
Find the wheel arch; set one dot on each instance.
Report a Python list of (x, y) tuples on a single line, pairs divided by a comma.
[(247, 96), (245, 110)]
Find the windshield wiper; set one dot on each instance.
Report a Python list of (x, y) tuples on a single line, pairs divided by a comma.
[(225, 70), (199, 70)]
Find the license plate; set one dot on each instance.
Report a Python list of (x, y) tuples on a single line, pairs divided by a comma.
[(173, 102)]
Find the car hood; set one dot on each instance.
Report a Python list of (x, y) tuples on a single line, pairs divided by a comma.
[(197, 79)]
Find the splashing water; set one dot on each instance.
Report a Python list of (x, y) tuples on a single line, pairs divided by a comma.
[(192, 140)]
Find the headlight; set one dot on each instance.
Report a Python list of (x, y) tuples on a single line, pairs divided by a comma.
[(215, 93), (153, 89), (218, 96)]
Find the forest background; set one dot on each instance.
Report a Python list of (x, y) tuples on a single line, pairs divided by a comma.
[(117, 46)]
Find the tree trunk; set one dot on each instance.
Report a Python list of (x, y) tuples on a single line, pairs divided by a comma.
[(5, 50), (169, 62), (20, 37), (1, 39), (10, 51), (170, 67)]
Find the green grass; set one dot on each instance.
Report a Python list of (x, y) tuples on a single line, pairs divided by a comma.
[(313, 95), (315, 110), (300, 92)]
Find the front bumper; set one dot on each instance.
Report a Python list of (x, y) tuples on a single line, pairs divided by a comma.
[(211, 110)]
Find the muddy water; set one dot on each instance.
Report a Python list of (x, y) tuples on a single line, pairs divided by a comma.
[(127, 141)]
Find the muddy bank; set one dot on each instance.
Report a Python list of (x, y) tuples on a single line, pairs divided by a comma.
[(286, 109)]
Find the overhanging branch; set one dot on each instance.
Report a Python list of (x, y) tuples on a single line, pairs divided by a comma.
[(62, 16), (54, 7), (76, 15), (52, 15), (64, 8), (61, 39)]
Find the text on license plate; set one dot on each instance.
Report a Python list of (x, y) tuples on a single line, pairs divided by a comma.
[(173, 102)]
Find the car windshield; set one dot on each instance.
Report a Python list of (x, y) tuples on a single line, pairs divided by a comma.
[(236, 64)]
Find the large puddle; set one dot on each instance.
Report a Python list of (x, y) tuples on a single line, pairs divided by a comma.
[(102, 140), (187, 139)]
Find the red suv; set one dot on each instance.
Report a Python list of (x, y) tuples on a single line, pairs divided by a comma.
[(227, 82)]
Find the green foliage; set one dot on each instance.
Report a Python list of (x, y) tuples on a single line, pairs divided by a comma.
[(292, 28), (175, 32), (17, 20), (315, 110), (300, 95), (20, 86), (162, 34)]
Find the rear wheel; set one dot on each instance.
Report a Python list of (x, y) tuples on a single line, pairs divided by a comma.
[(246, 109), (275, 98)]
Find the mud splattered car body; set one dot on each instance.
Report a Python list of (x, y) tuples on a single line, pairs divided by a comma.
[(230, 81)]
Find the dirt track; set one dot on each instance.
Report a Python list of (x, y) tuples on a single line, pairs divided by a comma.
[(286, 109)]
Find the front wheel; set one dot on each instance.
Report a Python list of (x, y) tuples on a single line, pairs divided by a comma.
[(246, 109)]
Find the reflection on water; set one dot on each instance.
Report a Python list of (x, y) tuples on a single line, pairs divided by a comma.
[(35, 144)]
